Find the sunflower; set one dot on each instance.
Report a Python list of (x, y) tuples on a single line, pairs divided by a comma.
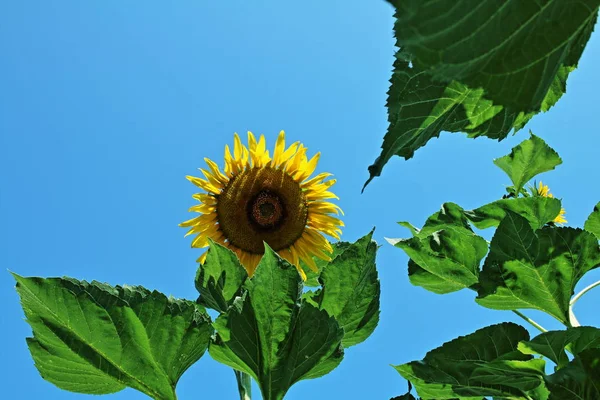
[(258, 198), (544, 191)]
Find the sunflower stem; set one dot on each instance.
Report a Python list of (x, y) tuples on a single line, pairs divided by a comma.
[(532, 322), (244, 385), (572, 319)]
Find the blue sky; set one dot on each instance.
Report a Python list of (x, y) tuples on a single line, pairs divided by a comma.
[(105, 106)]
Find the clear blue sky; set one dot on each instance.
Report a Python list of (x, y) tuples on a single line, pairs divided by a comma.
[(105, 106)]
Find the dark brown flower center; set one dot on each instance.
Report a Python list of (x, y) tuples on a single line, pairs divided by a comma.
[(266, 210), (262, 205)]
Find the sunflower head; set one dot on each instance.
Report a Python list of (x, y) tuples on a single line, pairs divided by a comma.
[(261, 199), (544, 191)]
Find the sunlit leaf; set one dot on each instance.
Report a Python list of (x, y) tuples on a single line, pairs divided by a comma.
[(478, 67), (219, 280), (484, 363), (529, 158), (351, 290), (513, 49), (552, 344), (312, 277), (592, 224), (272, 335), (445, 253), (537, 210), (527, 269), (94, 338)]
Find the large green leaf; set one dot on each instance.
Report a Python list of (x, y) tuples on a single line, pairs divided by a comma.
[(552, 344), (445, 253), (219, 280), (420, 108), (539, 270), (579, 380), (512, 49), (272, 335), (592, 224), (529, 158), (350, 290), (97, 339), (484, 363), (447, 47), (537, 210)]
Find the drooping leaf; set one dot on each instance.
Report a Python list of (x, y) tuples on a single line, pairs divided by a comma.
[(431, 282), (539, 270), (94, 338), (219, 280), (515, 50), (440, 88), (579, 380), (484, 363), (592, 224), (350, 290), (537, 210), (445, 253), (420, 108), (529, 158), (272, 335), (552, 344)]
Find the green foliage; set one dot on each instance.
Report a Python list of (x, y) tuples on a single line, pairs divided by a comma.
[(537, 210), (553, 344), (484, 363), (530, 158), (530, 263), (480, 68), (220, 279), (535, 269), (97, 339), (445, 253), (278, 335), (592, 224), (273, 336), (351, 290)]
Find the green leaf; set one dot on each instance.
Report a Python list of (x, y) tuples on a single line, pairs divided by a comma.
[(552, 344), (538, 270), (440, 88), (220, 279), (273, 336), (351, 290), (312, 277), (537, 210), (579, 380), (431, 282), (526, 160), (484, 363), (420, 108), (592, 224), (97, 339), (445, 253), (406, 396), (515, 50)]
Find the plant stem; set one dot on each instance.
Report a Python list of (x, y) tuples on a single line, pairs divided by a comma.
[(244, 385), (532, 322), (572, 318)]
